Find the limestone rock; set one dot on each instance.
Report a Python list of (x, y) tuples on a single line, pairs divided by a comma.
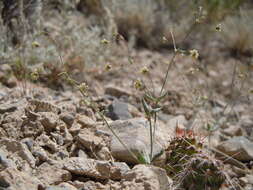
[(239, 148), (89, 185), (49, 120), (4, 161), (52, 174), (67, 185), (135, 134), (18, 149), (85, 121), (144, 177), (89, 139), (95, 168), (13, 179), (118, 110)]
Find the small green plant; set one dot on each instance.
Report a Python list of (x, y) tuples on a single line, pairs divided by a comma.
[(83, 89), (186, 161), (150, 101)]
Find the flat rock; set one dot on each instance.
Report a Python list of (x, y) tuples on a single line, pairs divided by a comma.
[(67, 185), (118, 110), (89, 139), (90, 185), (239, 148), (143, 177), (95, 168), (52, 174), (135, 134), (85, 121), (54, 187)]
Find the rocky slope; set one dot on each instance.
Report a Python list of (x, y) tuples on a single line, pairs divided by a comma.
[(50, 139)]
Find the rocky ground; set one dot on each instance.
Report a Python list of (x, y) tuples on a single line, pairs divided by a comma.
[(51, 140)]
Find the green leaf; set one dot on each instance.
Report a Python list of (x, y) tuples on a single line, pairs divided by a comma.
[(150, 97), (162, 96), (146, 107), (158, 155), (155, 110), (143, 158)]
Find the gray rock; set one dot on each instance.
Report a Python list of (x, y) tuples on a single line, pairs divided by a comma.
[(49, 120), (135, 134), (58, 138), (85, 121), (144, 177), (104, 154), (40, 154), (75, 128), (118, 110), (54, 187), (248, 179), (19, 149), (118, 169), (239, 148), (89, 139), (28, 142), (67, 118), (13, 179), (67, 185), (62, 186), (82, 154), (68, 138), (95, 168), (4, 161), (89, 185)]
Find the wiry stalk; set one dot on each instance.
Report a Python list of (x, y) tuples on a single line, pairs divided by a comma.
[(173, 58), (117, 137), (151, 138)]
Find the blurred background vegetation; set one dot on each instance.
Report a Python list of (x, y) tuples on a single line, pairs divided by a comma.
[(78, 26)]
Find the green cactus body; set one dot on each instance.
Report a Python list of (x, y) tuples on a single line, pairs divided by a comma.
[(190, 167)]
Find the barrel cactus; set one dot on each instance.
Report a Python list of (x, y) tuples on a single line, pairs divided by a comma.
[(191, 167)]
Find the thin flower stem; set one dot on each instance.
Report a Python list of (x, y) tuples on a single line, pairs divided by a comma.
[(117, 137), (173, 58), (155, 119), (151, 138)]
